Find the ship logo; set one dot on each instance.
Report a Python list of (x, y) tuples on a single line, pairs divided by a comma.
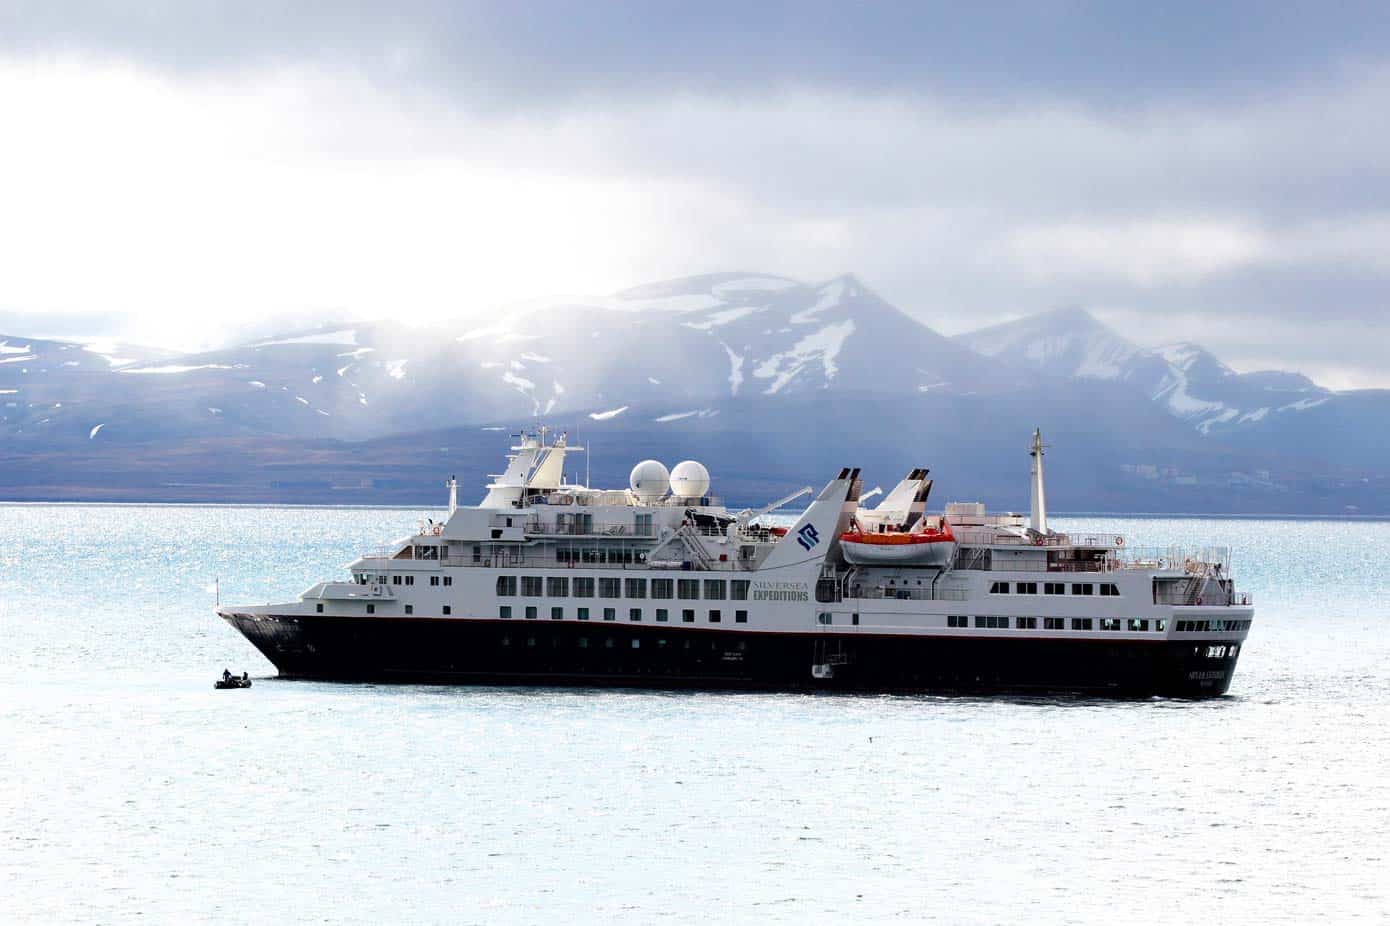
[(808, 537)]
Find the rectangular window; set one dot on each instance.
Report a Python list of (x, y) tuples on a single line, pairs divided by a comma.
[(410, 609), (409, 580), (1026, 623), (434, 580), (1083, 588), (635, 588), (530, 586), (662, 615), (688, 589), (999, 588), (741, 617), (448, 610), (557, 613), (506, 586), (1080, 623), (957, 620), (1139, 624), (1109, 590), (583, 586), (714, 589), (557, 587), (738, 589), (634, 614), (608, 588), (1026, 588), (1054, 623), (610, 614), (1160, 625), (505, 611), (714, 617), (583, 614), (448, 580), (395, 580), (825, 617), (531, 612), (318, 608), (992, 622), (688, 616), (371, 609), (1054, 588), (1109, 623), (663, 588)]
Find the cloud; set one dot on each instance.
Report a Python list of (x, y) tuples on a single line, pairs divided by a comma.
[(194, 169)]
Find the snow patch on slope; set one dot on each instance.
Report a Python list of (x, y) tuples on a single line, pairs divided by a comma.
[(723, 318), (830, 296), (823, 345), (344, 338), (735, 368)]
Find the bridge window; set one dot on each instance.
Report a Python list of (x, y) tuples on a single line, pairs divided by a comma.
[(663, 588), (739, 590)]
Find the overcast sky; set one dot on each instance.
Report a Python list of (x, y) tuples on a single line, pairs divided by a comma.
[(184, 172)]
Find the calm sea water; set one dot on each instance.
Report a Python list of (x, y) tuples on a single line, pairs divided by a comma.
[(130, 790)]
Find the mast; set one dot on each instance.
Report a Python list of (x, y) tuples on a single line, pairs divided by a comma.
[(1039, 502), (453, 485)]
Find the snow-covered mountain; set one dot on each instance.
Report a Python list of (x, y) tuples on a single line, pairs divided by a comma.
[(1185, 379)]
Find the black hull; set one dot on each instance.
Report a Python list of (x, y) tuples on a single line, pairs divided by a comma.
[(601, 653)]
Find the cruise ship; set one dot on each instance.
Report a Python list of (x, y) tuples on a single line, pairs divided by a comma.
[(549, 581)]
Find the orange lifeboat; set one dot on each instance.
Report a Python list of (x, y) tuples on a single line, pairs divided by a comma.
[(927, 547)]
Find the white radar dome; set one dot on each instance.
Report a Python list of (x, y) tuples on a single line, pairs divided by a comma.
[(649, 480), (689, 479)]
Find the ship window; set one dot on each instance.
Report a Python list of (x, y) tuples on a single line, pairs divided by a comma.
[(1109, 623), (1054, 623), (531, 586), (1160, 625), (634, 614), (1026, 588), (448, 610), (714, 590), (583, 642), (999, 588), (583, 586), (381, 580), (688, 616), (1109, 590), (741, 617), (825, 617), (1026, 623), (506, 586), (557, 613), (319, 608), (635, 588), (688, 589), (714, 617), (957, 620), (395, 580), (608, 643), (409, 580), (1054, 588), (583, 614), (663, 588), (1083, 588), (1080, 623), (505, 611), (636, 644), (608, 588), (410, 609), (662, 614), (371, 609), (530, 612), (992, 622), (557, 586), (448, 580), (434, 580), (738, 590), (1138, 624), (477, 553), (610, 614)]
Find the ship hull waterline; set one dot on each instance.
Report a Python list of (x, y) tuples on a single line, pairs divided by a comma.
[(475, 651)]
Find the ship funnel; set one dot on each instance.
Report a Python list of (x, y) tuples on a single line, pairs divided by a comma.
[(1039, 501)]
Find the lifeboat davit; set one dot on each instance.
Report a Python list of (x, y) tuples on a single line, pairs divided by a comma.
[(930, 547)]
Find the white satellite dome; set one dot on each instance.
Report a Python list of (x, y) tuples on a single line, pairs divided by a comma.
[(689, 479), (649, 480)]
